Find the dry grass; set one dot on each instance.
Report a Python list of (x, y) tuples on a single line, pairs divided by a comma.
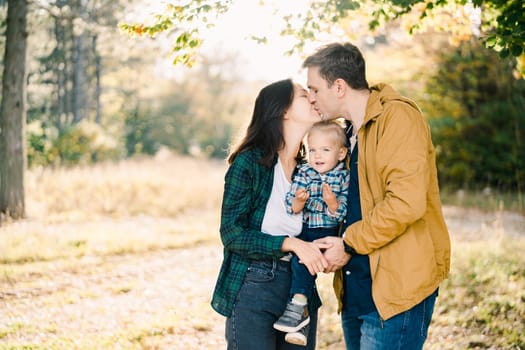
[(85, 211), (125, 256), (165, 186)]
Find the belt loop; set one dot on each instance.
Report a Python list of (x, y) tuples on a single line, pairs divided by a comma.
[(274, 265)]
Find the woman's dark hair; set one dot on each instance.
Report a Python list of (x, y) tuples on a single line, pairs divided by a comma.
[(343, 61), (266, 127)]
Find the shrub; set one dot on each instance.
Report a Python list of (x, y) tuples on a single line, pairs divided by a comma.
[(82, 143)]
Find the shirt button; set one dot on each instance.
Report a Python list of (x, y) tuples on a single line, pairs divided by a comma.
[(348, 273)]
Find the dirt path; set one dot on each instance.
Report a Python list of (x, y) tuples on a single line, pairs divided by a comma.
[(100, 296), (112, 302)]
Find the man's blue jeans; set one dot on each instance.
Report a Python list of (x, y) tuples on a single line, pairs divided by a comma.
[(406, 331), (260, 302)]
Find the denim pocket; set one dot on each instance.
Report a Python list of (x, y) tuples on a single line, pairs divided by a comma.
[(427, 312), (259, 273)]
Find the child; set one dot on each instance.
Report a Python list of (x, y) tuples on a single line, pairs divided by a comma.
[(318, 192)]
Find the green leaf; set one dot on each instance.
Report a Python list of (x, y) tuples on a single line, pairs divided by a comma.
[(490, 42), (373, 24), (516, 50), (194, 43)]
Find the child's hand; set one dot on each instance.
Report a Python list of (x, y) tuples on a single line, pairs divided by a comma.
[(329, 198), (302, 194), (299, 201)]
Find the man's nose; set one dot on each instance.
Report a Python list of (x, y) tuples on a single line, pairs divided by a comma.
[(311, 97)]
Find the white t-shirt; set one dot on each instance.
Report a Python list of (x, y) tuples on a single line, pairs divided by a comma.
[(277, 222)]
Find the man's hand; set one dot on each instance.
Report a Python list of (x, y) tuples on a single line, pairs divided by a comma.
[(335, 253), (329, 198)]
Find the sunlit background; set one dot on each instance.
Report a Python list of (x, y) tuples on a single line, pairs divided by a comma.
[(232, 35)]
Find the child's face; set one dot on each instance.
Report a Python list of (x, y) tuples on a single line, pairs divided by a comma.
[(323, 152)]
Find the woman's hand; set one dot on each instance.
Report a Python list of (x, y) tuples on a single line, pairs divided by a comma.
[(308, 253)]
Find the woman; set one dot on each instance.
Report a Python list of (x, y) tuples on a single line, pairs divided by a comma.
[(257, 233)]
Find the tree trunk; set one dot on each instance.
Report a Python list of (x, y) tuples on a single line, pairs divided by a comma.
[(13, 113), (98, 89), (78, 80), (60, 73)]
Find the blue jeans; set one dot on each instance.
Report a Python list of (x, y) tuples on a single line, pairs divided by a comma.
[(260, 302), (405, 331), (302, 281)]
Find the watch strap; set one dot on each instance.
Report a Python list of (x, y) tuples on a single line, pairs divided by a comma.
[(348, 249)]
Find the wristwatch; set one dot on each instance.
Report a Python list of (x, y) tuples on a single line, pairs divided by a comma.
[(348, 249)]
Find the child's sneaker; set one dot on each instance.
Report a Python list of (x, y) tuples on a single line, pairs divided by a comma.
[(293, 319), (298, 338)]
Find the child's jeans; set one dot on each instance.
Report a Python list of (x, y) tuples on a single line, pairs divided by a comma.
[(302, 281)]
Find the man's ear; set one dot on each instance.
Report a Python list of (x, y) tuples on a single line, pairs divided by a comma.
[(340, 86)]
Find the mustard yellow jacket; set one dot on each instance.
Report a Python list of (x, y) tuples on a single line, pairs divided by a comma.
[(402, 228)]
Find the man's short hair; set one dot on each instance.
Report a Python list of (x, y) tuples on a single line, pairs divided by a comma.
[(340, 61)]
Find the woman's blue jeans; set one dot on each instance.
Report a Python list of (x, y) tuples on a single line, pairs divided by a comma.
[(406, 331), (260, 302)]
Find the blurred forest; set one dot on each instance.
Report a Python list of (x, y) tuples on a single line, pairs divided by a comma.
[(95, 94)]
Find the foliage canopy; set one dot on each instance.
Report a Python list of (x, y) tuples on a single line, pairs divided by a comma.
[(499, 23)]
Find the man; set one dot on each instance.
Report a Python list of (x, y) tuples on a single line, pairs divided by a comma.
[(395, 249)]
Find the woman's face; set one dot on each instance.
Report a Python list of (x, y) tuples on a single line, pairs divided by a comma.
[(301, 110)]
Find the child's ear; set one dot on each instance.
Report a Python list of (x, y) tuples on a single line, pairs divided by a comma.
[(342, 153)]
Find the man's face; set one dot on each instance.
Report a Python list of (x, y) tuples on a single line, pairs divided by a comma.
[(321, 95)]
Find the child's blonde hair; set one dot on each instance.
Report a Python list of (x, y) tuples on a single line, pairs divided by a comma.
[(333, 128)]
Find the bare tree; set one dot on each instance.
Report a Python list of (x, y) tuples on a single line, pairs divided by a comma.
[(13, 113), (98, 86)]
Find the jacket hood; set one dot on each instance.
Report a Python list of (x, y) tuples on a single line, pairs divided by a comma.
[(381, 94)]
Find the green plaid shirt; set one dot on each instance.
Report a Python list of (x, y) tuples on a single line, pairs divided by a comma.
[(247, 189)]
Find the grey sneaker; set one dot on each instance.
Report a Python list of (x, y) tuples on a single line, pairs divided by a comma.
[(293, 319), (298, 338)]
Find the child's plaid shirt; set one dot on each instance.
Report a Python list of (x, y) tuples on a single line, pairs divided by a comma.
[(315, 212)]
